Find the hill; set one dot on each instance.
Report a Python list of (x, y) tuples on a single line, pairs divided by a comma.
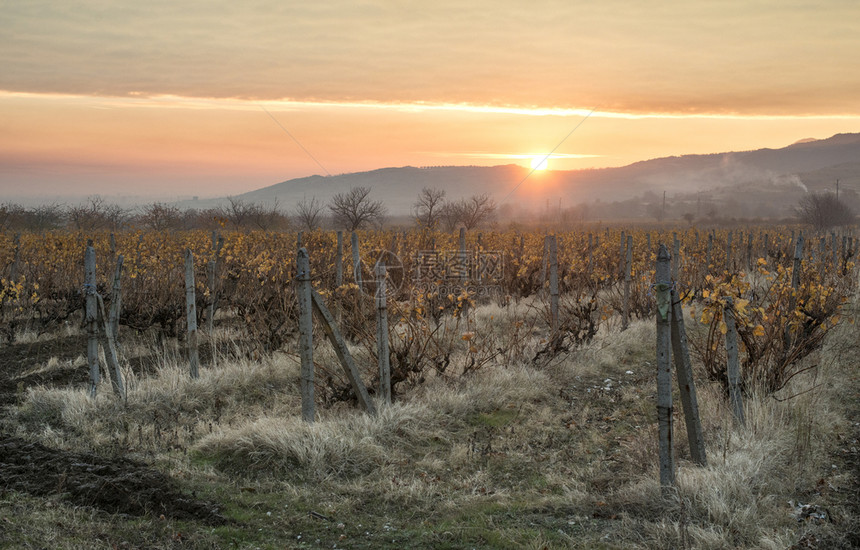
[(762, 182)]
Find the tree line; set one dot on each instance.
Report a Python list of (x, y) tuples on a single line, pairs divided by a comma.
[(350, 210)]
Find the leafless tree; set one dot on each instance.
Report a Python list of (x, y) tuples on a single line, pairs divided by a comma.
[(267, 217), (354, 209), (236, 212), (824, 210), (96, 213), (428, 207), (309, 213), (470, 212), (160, 217), (10, 215)]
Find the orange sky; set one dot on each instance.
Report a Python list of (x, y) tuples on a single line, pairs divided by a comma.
[(169, 99)]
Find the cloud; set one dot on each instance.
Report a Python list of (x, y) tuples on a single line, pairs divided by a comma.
[(735, 57)]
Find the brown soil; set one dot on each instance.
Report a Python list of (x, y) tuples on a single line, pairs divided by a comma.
[(117, 486)]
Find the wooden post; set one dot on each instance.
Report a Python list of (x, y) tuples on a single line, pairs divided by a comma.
[(382, 334), (299, 240), (544, 264), (628, 264), (112, 243), (796, 269), (356, 260), (622, 256), (342, 350), (212, 275), (111, 354), (835, 252), (729, 252), (16, 259), (92, 314), (749, 251), (191, 314), (590, 254), (664, 368), (306, 343), (676, 257), (708, 253), (116, 298), (733, 370), (553, 284), (338, 261), (681, 355)]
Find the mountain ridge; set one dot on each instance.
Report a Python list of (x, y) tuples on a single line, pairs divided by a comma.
[(776, 177)]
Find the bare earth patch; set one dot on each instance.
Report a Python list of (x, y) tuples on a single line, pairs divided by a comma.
[(117, 486)]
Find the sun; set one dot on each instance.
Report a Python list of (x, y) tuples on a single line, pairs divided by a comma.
[(540, 162)]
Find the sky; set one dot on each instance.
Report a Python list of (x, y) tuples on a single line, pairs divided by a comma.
[(167, 99)]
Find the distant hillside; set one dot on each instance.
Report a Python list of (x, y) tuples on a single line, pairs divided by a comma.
[(765, 182)]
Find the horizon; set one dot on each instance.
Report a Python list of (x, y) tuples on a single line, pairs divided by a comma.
[(170, 102)]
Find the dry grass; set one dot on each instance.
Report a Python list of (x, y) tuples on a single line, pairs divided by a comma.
[(557, 456)]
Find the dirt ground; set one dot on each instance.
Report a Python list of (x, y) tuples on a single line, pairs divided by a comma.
[(116, 485)]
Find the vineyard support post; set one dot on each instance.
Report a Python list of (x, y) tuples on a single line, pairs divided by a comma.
[(628, 264), (664, 368), (191, 314), (212, 275), (338, 261), (749, 251), (111, 354), (708, 253), (844, 253), (686, 385), (835, 252), (733, 370), (676, 257), (16, 259), (342, 350), (590, 254), (92, 314), (796, 269), (382, 334), (356, 259), (729, 252), (622, 256), (543, 269), (116, 298), (553, 284), (306, 343)]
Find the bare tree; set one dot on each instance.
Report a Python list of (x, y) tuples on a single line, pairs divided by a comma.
[(470, 213), (237, 212), (267, 216), (97, 213), (160, 217), (824, 210), (10, 215), (309, 213), (354, 209), (428, 207)]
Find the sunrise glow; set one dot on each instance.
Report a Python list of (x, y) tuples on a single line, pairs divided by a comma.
[(540, 163), (232, 98)]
